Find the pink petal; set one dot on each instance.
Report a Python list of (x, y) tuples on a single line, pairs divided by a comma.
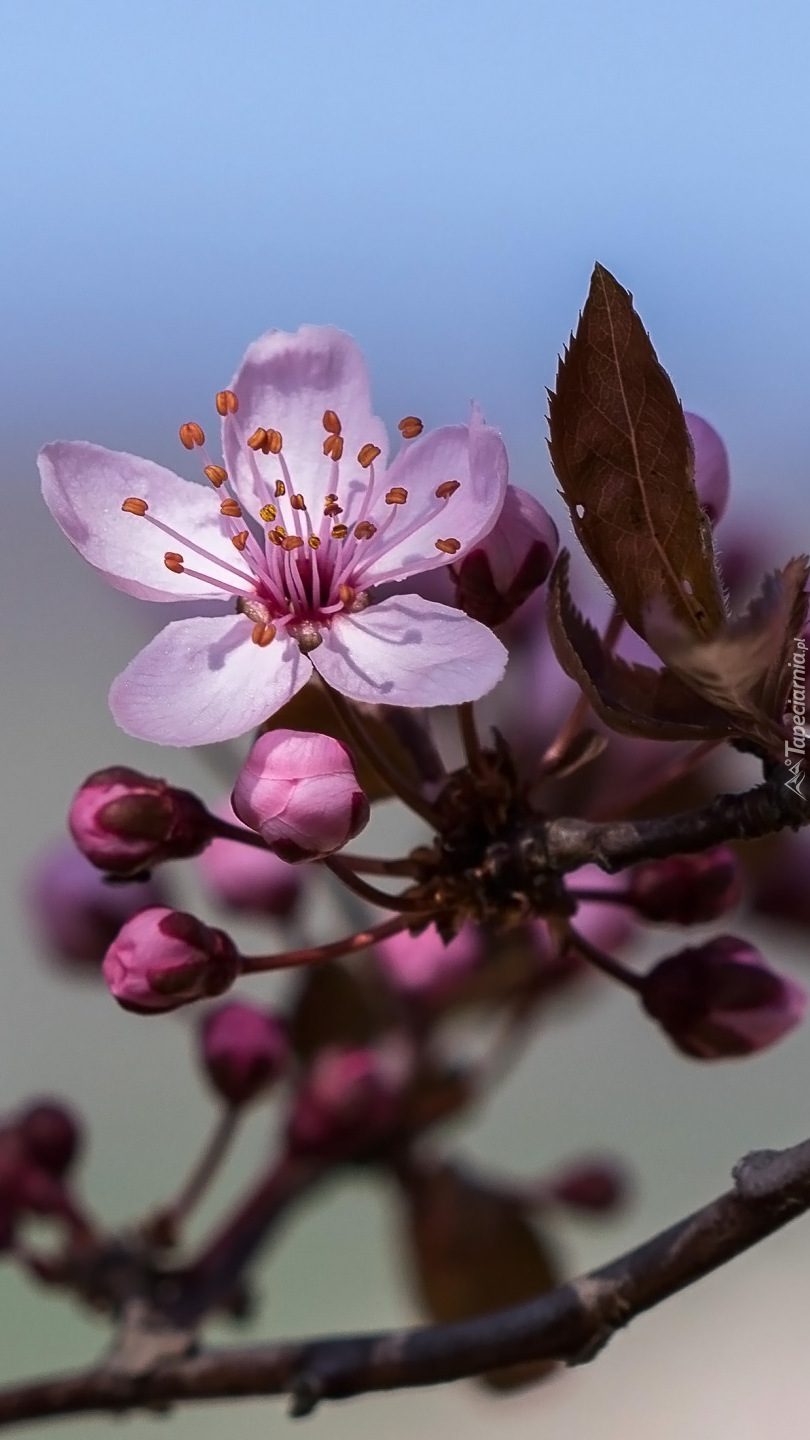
[(285, 383), (472, 454), (204, 680), (84, 487), (410, 651)]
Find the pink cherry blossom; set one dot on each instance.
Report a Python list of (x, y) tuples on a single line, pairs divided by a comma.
[(712, 474), (163, 958), (304, 523), (298, 790)]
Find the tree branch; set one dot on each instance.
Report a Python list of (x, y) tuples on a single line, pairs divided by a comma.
[(569, 1324)]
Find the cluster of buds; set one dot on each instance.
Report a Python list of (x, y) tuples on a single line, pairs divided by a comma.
[(38, 1148)]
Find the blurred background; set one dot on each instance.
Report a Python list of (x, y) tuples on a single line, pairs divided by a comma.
[(175, 178)]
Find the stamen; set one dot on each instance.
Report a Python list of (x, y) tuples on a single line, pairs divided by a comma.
[(331, 422), (339, 532), (298, 502), (364, 530), (333, 446), (291, 542), (268, 513), (216, 475), (396, 496), (331, 508), (232, 508), (449, 547), (173, 562), (240, 540), (280, 531), (273, 443), (227, 403), (314, 543), (347, 594), (134, 506), (367, 455), (258, 439), (273, 537), (410, 427), (281, 489), (262, 634), (446, 489), (191, 434)]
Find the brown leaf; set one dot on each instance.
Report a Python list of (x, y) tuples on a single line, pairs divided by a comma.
[(633, 699), (623, 456), (475, 1252), (744, 668)]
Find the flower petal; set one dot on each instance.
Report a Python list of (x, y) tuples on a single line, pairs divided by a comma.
[(286, 383), (475, 456), (410, 651), (84, 487), (204, 680)]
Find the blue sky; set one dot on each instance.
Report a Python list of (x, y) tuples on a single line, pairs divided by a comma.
[(438, 179)]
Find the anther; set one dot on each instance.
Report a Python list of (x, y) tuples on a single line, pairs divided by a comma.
[(273, 443), (191, 434), (134, 506), (410, 427), (173, 562), (227, 403), (232, 508), (291, 542), (281, 489), (262, 634), (367, 455), (347, 593), (331, 422), (333, 446), (364, 530), (449, 547), (314, 543), (280, 531), (273, 537), (258, 439), (298, 502), (268, 513), (240, 540), (331, 508), (339, 532), (446, 489), (396, 496), (216, 475)]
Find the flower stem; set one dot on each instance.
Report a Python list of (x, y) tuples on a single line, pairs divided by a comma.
[(602, 897), (368, 892), (473, 748), (604, 962), (225, 830), (392, 778), (169, 1219), (317, 954), (368, 865)]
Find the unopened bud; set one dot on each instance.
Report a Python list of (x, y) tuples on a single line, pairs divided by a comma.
[(510, 563), (243, 1051), (51, 1136), (591, 1185), (687, 889), (125, 822), (76, 913), (300, 792), (163, 959), (423, 963), (712, 475), (722, 1000), (347, 1104)]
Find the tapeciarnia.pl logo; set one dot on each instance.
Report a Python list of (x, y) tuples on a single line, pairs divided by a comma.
[(797, 707)]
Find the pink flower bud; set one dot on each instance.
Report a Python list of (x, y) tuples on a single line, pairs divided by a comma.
[(165, 958), (243, 1051), (712, 476), (125, 822), (421, 963), (349, 1101), (722, 999), (687, 889), (780, 887), (76, 913), (510, 563), (300, 792), (247, 880), (51, 1136), (592, 1185)]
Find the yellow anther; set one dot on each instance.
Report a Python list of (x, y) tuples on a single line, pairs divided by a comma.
[(134, 506), (216, 475), (331, 422), (173, 562), (227, 403), (258, 439), (446, 489), (298, 502), (339, 532), (232, 508), (273, 537), (449, 547), (240, 540), (191, 434), (314, 543), (364, 530), (410, 427), (291, 542), (281, 489), (262, 633), (268, 513), (367, 455), (347, 594), (280, 531), (273, 443), (396, 496)]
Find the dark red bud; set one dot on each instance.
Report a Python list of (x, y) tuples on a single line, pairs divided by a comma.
[(687, 889), (51, 1135), (125, 822)]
